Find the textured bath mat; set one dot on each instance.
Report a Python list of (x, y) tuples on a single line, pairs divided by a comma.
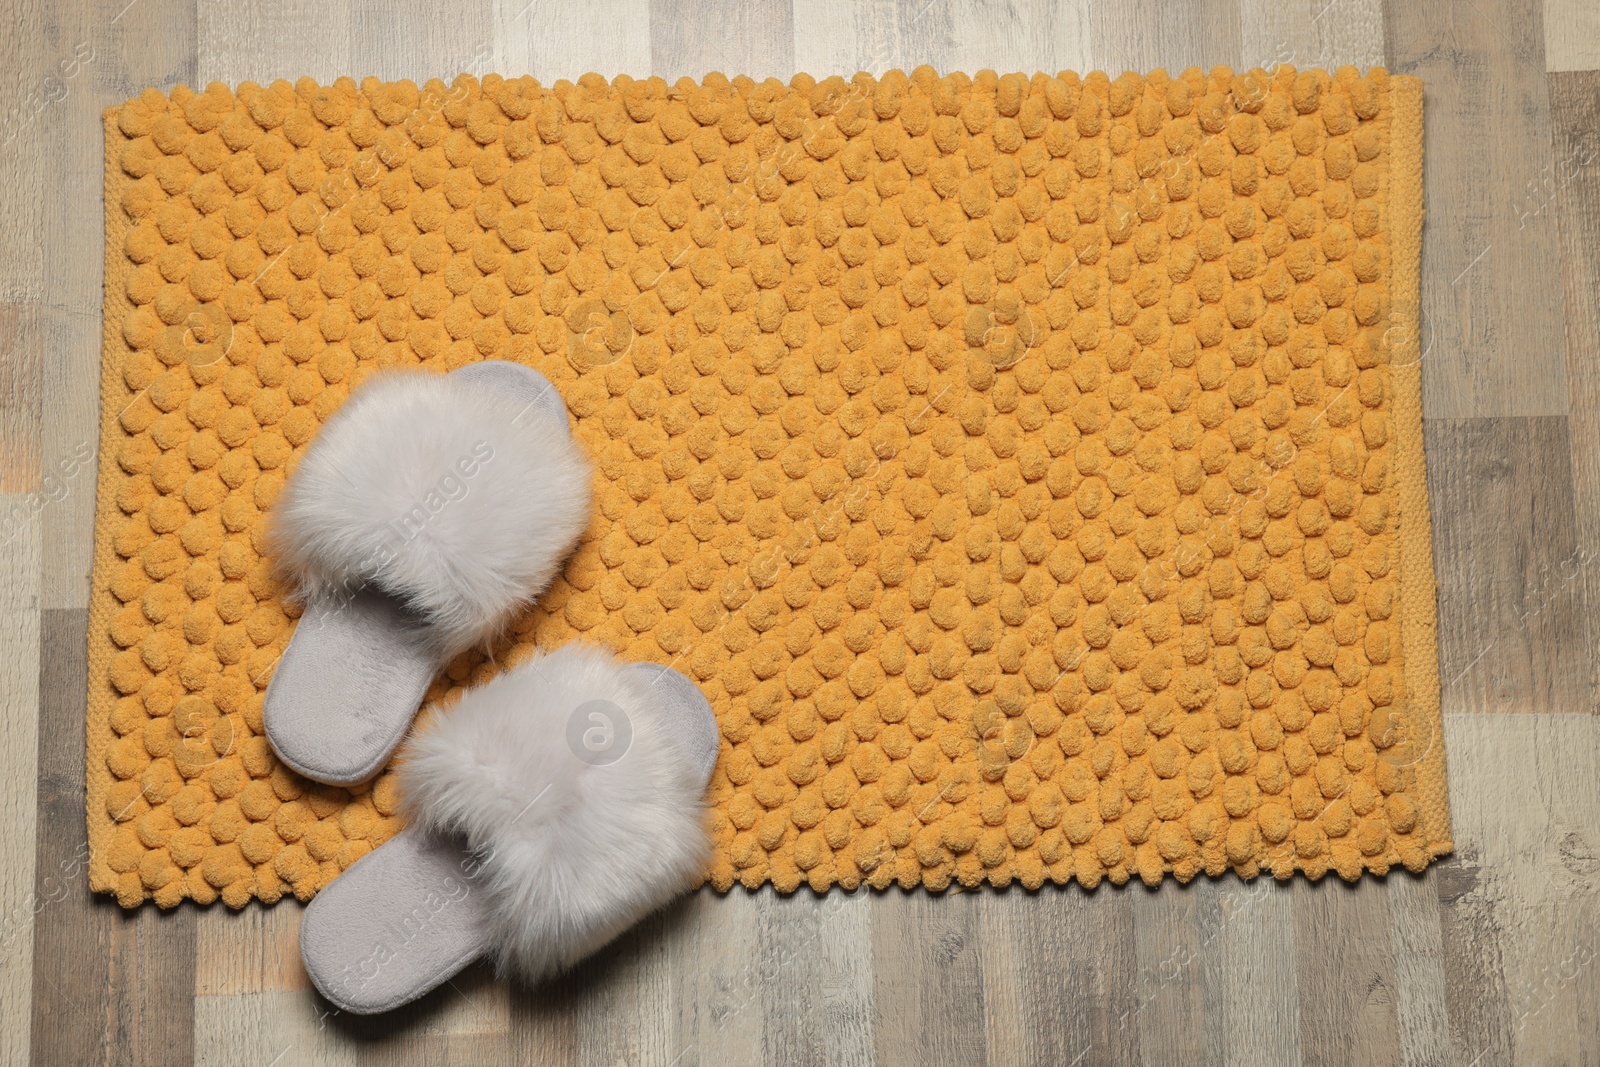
[(1029, 470)]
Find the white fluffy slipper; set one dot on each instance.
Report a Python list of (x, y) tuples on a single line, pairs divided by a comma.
[(551, 809), (425, 513)]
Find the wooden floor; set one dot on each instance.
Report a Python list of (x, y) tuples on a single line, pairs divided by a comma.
[(1489, 958)]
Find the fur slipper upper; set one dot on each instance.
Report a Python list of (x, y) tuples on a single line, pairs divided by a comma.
[(580, 792), (441, 490)]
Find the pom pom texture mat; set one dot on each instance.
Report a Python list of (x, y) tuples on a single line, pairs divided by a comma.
[(1030, 471)]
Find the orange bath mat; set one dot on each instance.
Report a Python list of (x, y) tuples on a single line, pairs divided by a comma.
[(1029, 470)]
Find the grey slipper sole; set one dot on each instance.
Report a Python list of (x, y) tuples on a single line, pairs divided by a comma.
[(355, 672), (409, 916)]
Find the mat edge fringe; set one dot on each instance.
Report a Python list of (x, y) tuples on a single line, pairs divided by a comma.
[(1418, 610), (113, 352)]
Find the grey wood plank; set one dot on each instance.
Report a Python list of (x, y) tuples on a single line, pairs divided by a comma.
[(110, 986), (1475, 991), (542, 1025), (1175, 931), (1256, 969), (21, 412), (102, 54), (1345, 973), (30, 99), (624, 996), (816, 951), (928, 989), (1575, 202), (1492, 328), (1058, 983), (1418, 946), (1513, 621)]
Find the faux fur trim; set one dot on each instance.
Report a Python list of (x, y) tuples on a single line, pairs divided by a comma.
[(443, 492), (573, 852)]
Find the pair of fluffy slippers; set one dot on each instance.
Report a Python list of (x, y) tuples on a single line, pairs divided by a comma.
[(550, 809)]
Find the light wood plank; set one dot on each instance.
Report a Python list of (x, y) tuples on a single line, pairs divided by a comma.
[(952, 35), (19, 701), (254, 950), (465, 1020), (288, 39), (30, 102), (1312, 33), (279, 1028), (695, 37), (1521, 909), (252, 997), (1571, 35), (1146, 34), (555, 39), (421, 41)]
